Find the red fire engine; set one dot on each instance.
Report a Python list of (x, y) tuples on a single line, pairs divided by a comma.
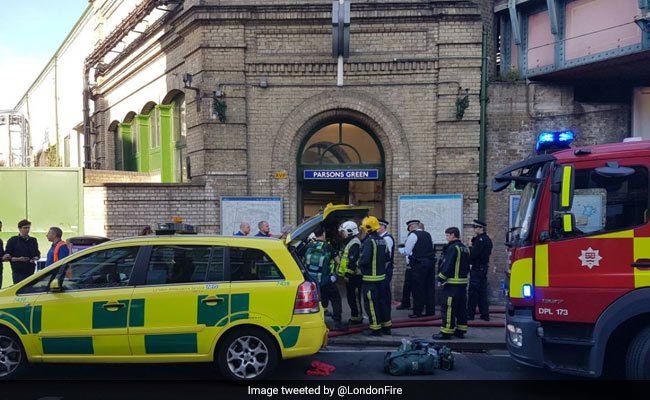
[(579, 254)]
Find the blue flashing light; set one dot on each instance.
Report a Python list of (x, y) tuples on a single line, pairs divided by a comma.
[(554, 140), (546, 137), (566, 136), (527, 291)]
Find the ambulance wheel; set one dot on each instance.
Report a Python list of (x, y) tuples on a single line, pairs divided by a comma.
[(13, 360), (637, 362), (247, 354)]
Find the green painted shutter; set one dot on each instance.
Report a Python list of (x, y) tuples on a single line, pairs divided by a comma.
[(166, 144), (143, 157), (127, 146)]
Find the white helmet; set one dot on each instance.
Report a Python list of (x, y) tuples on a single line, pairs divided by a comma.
[(350, 228)]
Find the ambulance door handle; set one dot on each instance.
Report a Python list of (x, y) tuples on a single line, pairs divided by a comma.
[(108, 306), (212, 300), (641, 263)]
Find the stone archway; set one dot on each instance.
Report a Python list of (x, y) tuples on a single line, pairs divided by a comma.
[(350, 105)]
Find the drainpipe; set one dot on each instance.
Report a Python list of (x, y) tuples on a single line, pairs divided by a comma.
[(86, 110), (483, 138), (56, 110)]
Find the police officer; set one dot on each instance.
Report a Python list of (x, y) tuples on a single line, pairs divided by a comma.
[(421, 257), (453, 280), (372, 263), (349, 268), (386, 296), (479, 259)]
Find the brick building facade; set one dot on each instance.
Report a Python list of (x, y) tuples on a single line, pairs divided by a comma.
[(272, 59)]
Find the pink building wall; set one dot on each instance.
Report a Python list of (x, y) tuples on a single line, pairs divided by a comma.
[(541, 42), (595, 26)]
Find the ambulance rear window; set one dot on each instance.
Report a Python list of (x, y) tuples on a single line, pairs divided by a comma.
[(248, 264)]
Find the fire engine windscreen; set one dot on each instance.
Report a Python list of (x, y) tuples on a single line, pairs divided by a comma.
[(525, 212)]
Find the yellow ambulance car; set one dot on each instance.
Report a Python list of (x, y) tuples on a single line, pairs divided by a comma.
[(244, 303)]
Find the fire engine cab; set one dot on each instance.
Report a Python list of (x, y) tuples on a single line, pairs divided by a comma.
[(579, 254)]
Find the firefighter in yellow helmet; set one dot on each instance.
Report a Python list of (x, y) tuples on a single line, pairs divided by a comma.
[(374, 254)]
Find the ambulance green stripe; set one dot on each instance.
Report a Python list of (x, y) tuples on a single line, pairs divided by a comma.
[(136, 314), (239, 306), (239, 302), (289, 336), (107, 319), (14, 322), (210, 315), (22, 314), (184, 343), (36, 319), (68, 345)]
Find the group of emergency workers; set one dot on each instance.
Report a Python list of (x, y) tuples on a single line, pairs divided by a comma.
[(365, 261)]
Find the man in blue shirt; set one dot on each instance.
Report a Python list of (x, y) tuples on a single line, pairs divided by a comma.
[(59, 247), (265, 230), (244, 229)]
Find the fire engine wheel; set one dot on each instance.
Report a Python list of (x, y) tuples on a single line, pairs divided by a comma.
[(247, 354), (637, 362), (13, 360)]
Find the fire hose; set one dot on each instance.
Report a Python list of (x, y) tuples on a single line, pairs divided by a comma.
[(423, 322)]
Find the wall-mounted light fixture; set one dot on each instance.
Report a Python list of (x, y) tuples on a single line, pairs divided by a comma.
[(187, 80)]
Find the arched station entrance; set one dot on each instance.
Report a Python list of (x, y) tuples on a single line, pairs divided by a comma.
[(340, 162)]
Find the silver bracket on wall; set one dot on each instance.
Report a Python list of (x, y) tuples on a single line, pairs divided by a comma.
[(514, 21)]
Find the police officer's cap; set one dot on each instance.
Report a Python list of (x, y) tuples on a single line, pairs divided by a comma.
[(413, 221), (383, 222), (479, 224)]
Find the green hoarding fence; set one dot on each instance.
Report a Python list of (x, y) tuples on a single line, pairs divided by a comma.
[(46, 197)]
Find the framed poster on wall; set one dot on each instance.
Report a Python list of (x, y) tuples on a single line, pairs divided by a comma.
[(437, 213)]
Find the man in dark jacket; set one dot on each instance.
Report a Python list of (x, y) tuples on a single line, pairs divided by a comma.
[(24, 252), (453, 279), (479, 259)]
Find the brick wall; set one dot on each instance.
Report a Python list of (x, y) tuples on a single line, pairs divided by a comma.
[(100, 176), (408, 60), (131, 206), (517, 113)]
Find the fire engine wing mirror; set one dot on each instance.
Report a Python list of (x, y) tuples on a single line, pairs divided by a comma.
[(612, 170), (564, 184), (566, 222)]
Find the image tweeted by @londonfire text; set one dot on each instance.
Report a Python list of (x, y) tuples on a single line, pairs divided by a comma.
[(326, 390)]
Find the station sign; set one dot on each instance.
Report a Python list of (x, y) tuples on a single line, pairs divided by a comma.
[(341, 174)]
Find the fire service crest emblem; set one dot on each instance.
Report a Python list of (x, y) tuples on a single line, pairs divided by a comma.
[(590, 258)]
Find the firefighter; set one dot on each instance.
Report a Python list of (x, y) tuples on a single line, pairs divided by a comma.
[(421, 257), (349, 269), (453, 279), (374, 254), (320, 259), (479, 259), (386, 296)]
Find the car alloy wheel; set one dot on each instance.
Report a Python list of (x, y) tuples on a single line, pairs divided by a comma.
[(11, 355), (247, 357)]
